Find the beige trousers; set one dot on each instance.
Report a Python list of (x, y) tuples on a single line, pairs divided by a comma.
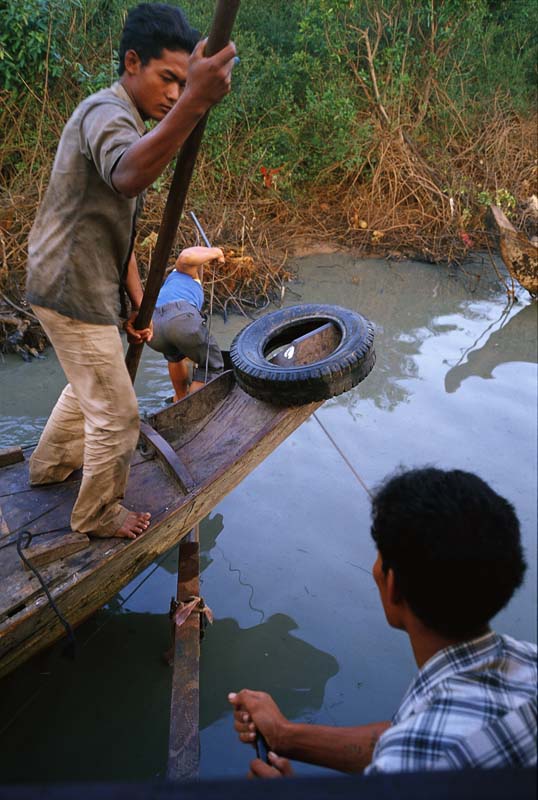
[(94, 424)]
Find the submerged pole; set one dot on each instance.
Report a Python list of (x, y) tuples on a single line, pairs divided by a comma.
[(184, 738)]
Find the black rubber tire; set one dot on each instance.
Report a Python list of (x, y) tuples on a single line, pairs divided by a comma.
[(345, 367)]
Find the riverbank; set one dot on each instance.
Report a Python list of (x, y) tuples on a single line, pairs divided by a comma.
[(388, 132), (258, 250)]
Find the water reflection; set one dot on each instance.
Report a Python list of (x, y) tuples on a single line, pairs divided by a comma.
[(510, 338), (210, 528), (400, 347), (267, 657), (23, 431)]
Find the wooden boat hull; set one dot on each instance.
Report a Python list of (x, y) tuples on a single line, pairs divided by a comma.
[(212, 440)]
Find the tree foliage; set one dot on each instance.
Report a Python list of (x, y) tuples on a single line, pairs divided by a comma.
[(418, 100)]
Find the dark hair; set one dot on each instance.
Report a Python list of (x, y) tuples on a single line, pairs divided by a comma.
[(453, 544), (151, 28)]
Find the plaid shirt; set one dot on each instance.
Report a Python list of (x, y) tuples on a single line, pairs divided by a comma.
[(471, 705)]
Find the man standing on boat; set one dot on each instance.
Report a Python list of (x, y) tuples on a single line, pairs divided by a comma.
[(449, 559), (80, 253)]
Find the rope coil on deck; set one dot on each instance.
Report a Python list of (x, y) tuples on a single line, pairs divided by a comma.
[(23, 541)]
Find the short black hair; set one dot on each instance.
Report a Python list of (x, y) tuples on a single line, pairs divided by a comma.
[(453, 544), (151, 28)]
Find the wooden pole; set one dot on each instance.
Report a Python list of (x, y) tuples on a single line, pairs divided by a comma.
[(184, 740), (219, 36)]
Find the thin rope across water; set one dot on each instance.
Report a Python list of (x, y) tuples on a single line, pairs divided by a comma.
[(343, 456)]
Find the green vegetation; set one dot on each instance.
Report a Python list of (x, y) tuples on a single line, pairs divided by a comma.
[(404, 114)]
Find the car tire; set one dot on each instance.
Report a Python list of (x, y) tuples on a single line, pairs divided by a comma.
[(347, 365)]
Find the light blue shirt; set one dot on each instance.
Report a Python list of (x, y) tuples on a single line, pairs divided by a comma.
[(179, 286)]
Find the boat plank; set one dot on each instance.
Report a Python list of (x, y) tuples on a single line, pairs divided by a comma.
[(220, 434), (307, 349), (53, 546), (160, 496), (211, 450), (182, 421), (41, 512), (11, 455), (14, 479)]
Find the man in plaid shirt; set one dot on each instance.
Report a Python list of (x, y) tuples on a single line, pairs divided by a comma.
[(449, 559)]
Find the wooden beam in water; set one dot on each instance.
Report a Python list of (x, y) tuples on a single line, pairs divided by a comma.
[(184, 741), (184, 738)]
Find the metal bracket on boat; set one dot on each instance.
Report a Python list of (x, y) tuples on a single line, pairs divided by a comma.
[(168, 457)]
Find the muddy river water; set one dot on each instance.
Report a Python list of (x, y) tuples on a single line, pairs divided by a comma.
[(287, 556)]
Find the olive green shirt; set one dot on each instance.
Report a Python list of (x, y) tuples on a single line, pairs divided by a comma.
[(83, 234)]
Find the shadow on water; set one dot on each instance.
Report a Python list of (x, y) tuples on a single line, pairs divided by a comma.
[(268, 655), (119, 683), (68, 720), (507, 339)]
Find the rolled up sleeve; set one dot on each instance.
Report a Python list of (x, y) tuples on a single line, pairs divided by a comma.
[(106, 132)]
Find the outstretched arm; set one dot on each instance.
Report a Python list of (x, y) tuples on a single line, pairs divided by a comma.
[(192, 259), (346, 749)]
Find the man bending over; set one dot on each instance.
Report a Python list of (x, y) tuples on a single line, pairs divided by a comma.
[(179, 329), (449, 558), (81, 252)]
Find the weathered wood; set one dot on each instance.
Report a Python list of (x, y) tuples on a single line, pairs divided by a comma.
[(53, 546), (308, 348), (222, 454), (231, 433), (11, 455), (518, 253), (181, 421), (184, 739), (169, 457)]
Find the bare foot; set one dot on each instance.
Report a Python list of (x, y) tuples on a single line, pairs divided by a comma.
[(134, 523)]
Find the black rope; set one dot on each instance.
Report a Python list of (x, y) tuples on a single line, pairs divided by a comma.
[(11, 542), (23, 541)]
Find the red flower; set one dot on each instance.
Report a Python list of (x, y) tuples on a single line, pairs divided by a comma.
[(466, 239), (268, 175)]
